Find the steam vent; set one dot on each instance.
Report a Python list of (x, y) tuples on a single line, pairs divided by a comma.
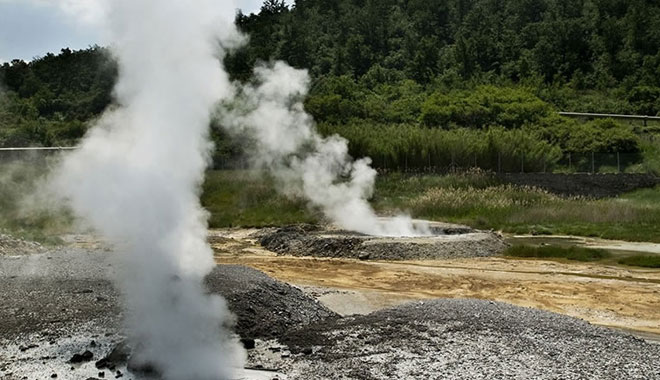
[(445, 241)]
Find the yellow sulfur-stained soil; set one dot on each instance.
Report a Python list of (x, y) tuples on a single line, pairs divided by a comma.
[(615, 296)]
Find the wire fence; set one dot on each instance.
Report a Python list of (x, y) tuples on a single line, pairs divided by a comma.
[(591, 162), (422, 162)]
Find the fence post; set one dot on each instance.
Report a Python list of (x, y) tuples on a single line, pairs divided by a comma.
[(499, 162), (522, 162), (569, 161), (593, 164), (544, 163)]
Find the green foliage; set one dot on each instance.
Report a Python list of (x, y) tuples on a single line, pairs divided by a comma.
[(551, 251), (592, 45), (484, 106), (471, 198), (644, 261), (600, 135), (393, 146), (249, 199), (23, 212), (50, 100)]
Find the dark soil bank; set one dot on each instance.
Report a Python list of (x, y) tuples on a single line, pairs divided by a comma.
[(586, 185)]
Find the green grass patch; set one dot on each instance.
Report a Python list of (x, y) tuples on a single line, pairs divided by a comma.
[(237, 198), (645, 261), (24, 213), (555, 252), (479, 200)]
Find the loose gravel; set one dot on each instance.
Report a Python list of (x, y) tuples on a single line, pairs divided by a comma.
[(468, 339), (11, 246), (56, 305)]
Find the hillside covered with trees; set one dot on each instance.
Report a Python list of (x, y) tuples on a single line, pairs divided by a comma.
[(410, 80)]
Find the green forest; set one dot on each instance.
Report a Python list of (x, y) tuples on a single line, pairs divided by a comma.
[(413, 83)]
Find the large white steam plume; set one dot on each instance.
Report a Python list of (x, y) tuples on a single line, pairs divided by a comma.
[(304, 163), (137, 176)]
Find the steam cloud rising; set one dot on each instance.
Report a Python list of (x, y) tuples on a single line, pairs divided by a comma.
[(304, 163), (136, 178), (137, 175)]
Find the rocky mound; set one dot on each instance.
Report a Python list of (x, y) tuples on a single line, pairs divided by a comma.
[(468, 339), (450, 242), (265, 308), (53, 292)]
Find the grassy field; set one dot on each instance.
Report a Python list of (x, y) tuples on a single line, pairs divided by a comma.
[(476, 199), (249, 199), (23, 213), (240, 198)]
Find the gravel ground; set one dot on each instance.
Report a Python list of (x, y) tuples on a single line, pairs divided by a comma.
[(11, 246), (56, 305), (265, 308), (451, 242), (468, 339)]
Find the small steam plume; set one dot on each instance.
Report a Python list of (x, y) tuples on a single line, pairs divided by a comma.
[(304, 163), (136, 178)]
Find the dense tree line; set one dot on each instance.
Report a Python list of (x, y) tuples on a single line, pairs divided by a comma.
[(590, 43), (50, 100), (398, 71)]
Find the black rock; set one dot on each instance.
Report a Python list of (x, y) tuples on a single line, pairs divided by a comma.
[(84, 357), (307, 351), (142, 368), (117, 356), (248, 343)]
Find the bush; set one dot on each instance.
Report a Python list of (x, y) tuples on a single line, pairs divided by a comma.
[(486, 105), (406, 146)]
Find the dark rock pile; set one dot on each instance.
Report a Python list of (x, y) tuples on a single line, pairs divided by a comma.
[(264, 307), (449, 242)]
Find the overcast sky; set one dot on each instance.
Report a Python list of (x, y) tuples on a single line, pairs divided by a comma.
[(31, 28)]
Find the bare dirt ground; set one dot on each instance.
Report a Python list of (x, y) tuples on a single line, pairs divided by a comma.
[(614, 296)]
